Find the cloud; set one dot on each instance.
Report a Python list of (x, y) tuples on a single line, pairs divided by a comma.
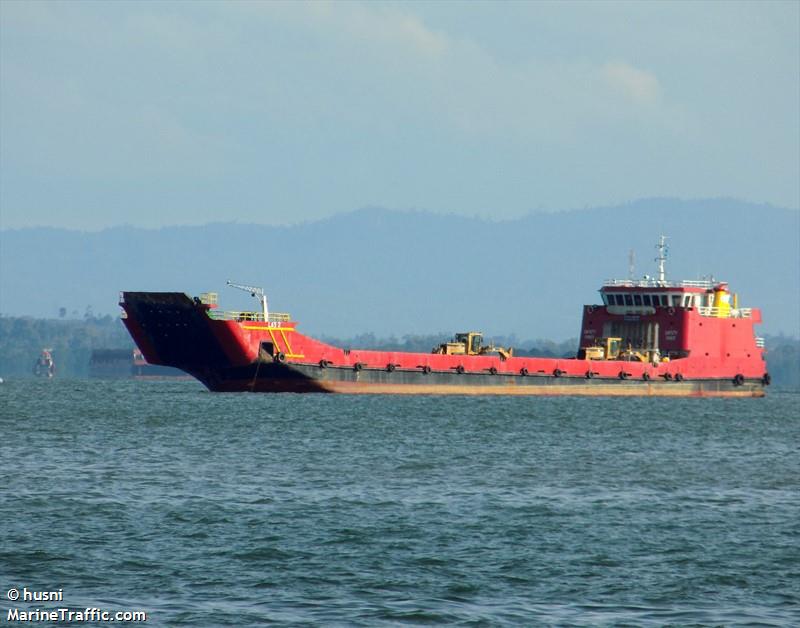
[(394, 28), (378, 26), (640, 86), (398, 62)]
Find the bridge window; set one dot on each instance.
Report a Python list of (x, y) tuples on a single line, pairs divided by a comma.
[(628, 300), (637, 299), (646, 299), (676, 300)]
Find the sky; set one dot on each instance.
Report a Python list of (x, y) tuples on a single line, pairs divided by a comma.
[(173, 113)]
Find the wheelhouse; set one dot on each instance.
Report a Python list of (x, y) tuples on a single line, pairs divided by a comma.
[(624, 295)]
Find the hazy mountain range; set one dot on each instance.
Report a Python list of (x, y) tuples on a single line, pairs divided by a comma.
[(401, 272)]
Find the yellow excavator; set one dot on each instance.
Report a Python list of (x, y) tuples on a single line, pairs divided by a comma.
[(470, 343)]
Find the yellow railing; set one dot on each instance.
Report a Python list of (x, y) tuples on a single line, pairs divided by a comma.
[(274, 317)]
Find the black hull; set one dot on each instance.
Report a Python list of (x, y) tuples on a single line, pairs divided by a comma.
[(270, 376)]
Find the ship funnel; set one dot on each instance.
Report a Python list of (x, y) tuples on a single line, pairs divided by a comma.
[(722, 300)]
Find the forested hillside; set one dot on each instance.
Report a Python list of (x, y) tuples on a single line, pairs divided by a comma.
[(394, 272)]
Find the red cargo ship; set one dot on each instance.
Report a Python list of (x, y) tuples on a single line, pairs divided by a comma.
[(647, 337)]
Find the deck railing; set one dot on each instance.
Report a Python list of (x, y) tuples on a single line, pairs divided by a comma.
[(655, 283), (228, 315), (209, 298), (715, 312)]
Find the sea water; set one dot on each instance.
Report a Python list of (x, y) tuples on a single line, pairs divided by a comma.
[(204, 509)]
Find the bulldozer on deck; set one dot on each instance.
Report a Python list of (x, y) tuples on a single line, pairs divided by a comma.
[(470, 343)]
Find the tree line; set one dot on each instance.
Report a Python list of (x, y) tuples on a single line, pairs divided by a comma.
[(72, 342)]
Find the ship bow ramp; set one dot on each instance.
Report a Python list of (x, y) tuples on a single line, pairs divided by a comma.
[(173, 329)]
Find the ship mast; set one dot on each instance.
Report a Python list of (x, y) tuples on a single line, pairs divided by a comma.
[(631, 264), (254, 292), (662, 249)]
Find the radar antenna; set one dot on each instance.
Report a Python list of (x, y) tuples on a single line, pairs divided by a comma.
[(256, 292), (663, 249)]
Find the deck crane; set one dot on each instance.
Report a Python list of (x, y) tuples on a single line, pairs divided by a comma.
[(256, 292)]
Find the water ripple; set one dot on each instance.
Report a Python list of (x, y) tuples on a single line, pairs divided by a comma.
[(213, 510)]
